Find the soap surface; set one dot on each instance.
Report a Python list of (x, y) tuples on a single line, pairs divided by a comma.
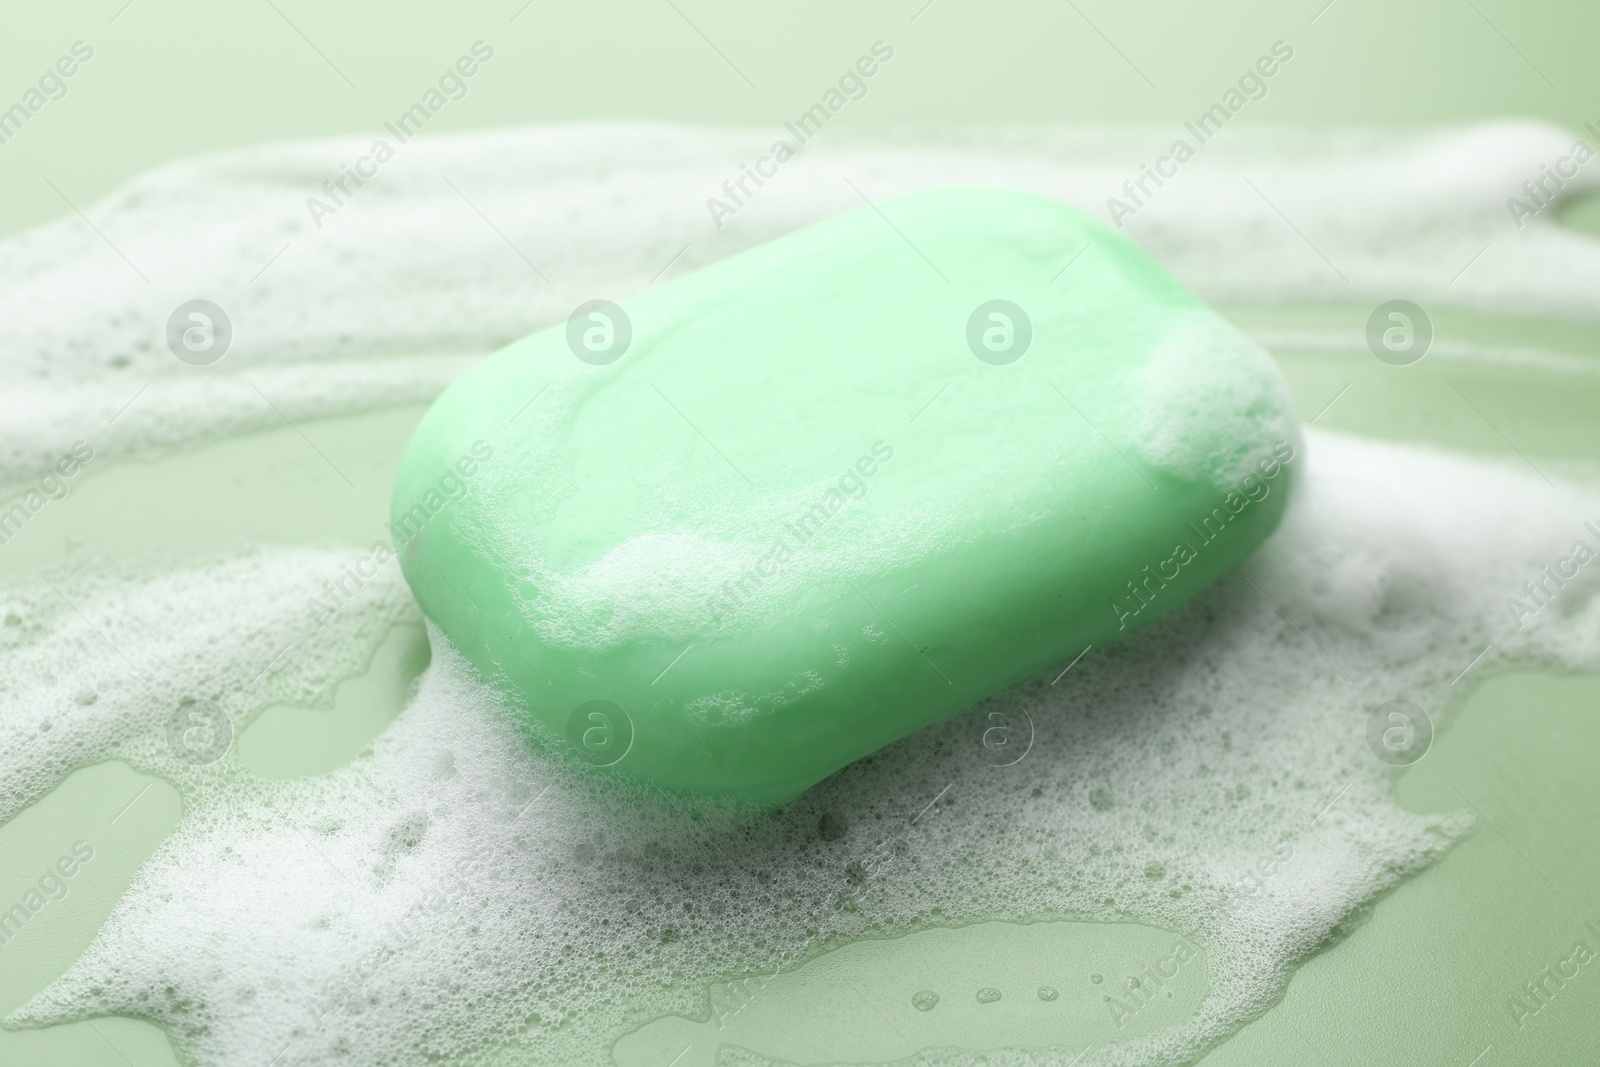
[(741, 529)]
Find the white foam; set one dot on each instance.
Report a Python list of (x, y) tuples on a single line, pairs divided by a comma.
[(1209, 397), (407, 284), (94, 655), (457, 887)]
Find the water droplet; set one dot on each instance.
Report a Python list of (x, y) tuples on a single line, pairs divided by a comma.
[(988, 995), (924, 1000), (1046, 993), (86, 696)]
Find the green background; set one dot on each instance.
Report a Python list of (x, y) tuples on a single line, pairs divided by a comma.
[(1427, 977), (175, 79)]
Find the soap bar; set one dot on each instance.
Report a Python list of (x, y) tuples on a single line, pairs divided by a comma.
[(729, 534)]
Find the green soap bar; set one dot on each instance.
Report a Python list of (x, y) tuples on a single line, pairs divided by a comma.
[(763, 520)]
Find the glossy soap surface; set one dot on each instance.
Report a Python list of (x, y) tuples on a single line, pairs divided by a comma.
[(761, 521)]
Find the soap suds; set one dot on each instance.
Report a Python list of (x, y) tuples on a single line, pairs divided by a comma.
[(1211, 395), (407, 286), (456, 887), (459, 887), (96, 654)]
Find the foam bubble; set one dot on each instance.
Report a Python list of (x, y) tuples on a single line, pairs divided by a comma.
[(400, 291), (1209, 392), (458, 887), (97, 654)]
